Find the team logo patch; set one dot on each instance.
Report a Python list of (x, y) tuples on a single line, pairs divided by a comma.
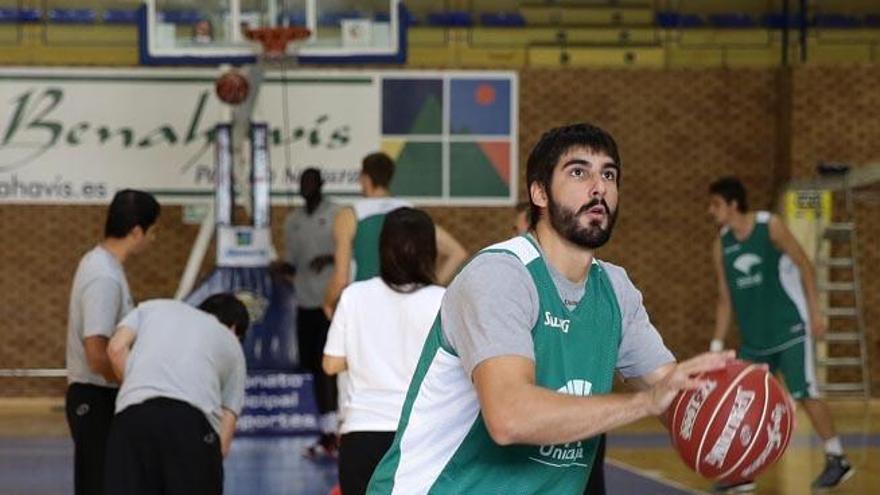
[(572, 453), (82, 409), (744, 264)]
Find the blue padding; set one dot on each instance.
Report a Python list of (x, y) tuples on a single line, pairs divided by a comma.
[(335, 18), (72, 16), (292, 18), (180, 16), (777, 20), (731, 20), (837, 21), (450, 19), (502, 19), (120, 16)]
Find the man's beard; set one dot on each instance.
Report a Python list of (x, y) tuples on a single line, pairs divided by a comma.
[(566, 223)]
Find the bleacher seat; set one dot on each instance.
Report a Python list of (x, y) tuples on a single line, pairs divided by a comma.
[(180, 16), (674, 20), (72, 16), (777, 20), (120, 16), (10, 15), (667, 20), (731, 20), (450, 19), (837, 21), (502, 19)]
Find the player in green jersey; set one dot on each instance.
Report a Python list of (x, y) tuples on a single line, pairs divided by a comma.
[(514, 381), (766, 279), (356, 232)]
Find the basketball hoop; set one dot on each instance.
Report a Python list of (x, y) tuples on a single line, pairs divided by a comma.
[(275, 39)]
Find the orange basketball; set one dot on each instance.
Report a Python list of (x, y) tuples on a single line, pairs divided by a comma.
[(735, 426), (232, 87)]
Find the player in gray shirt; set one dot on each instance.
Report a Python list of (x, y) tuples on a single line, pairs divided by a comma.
[(99, 298), (183, 380), (309, 248)]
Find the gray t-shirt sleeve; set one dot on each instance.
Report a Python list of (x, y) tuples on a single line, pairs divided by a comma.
[(133, 319), (101, 305), (489, 310), (641, 347), (232, 389)]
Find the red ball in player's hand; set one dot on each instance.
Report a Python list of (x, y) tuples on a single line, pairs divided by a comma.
[(735, 426)]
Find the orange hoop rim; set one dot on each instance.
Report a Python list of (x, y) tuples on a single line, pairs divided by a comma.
[(275, 39)]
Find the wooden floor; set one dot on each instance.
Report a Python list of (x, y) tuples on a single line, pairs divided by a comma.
[(645, 446), (641, 448)]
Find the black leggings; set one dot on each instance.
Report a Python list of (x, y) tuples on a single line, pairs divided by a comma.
[(359, 454), (311, 332)]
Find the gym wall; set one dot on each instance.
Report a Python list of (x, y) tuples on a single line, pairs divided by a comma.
[(677, 130)]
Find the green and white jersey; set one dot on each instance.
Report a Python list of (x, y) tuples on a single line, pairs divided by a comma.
[(442, 444), (766, 290), (370, 214)]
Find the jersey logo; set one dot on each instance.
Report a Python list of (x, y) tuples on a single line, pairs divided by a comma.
[(744, 263), (568, 454), (556, 322)]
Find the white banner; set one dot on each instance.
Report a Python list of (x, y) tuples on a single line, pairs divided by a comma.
[(79, 135), (76, 136)]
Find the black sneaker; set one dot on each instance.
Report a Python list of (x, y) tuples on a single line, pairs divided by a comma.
[(837, 470), (741, 487)]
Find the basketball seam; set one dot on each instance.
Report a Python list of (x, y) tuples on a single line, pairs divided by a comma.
[(757, 432), (731, 387), (672, 423), (792, 410)]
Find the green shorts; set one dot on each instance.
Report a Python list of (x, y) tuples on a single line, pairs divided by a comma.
[(794, 362)]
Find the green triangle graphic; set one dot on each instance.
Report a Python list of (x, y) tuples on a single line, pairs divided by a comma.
[(430, 117), (419, 170), (472, 173)]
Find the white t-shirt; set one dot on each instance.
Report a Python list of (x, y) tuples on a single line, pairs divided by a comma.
[(380, 333)]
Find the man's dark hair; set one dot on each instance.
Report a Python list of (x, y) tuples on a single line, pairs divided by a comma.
[(229, 310), (731, 189), (407, 250), (130, 208), (555, 143), (379, 167)]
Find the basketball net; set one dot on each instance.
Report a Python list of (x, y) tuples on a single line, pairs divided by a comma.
[(275, 55)]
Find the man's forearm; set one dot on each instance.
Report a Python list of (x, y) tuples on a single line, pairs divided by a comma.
[(722, 321), (543, 417), (118, 360)]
